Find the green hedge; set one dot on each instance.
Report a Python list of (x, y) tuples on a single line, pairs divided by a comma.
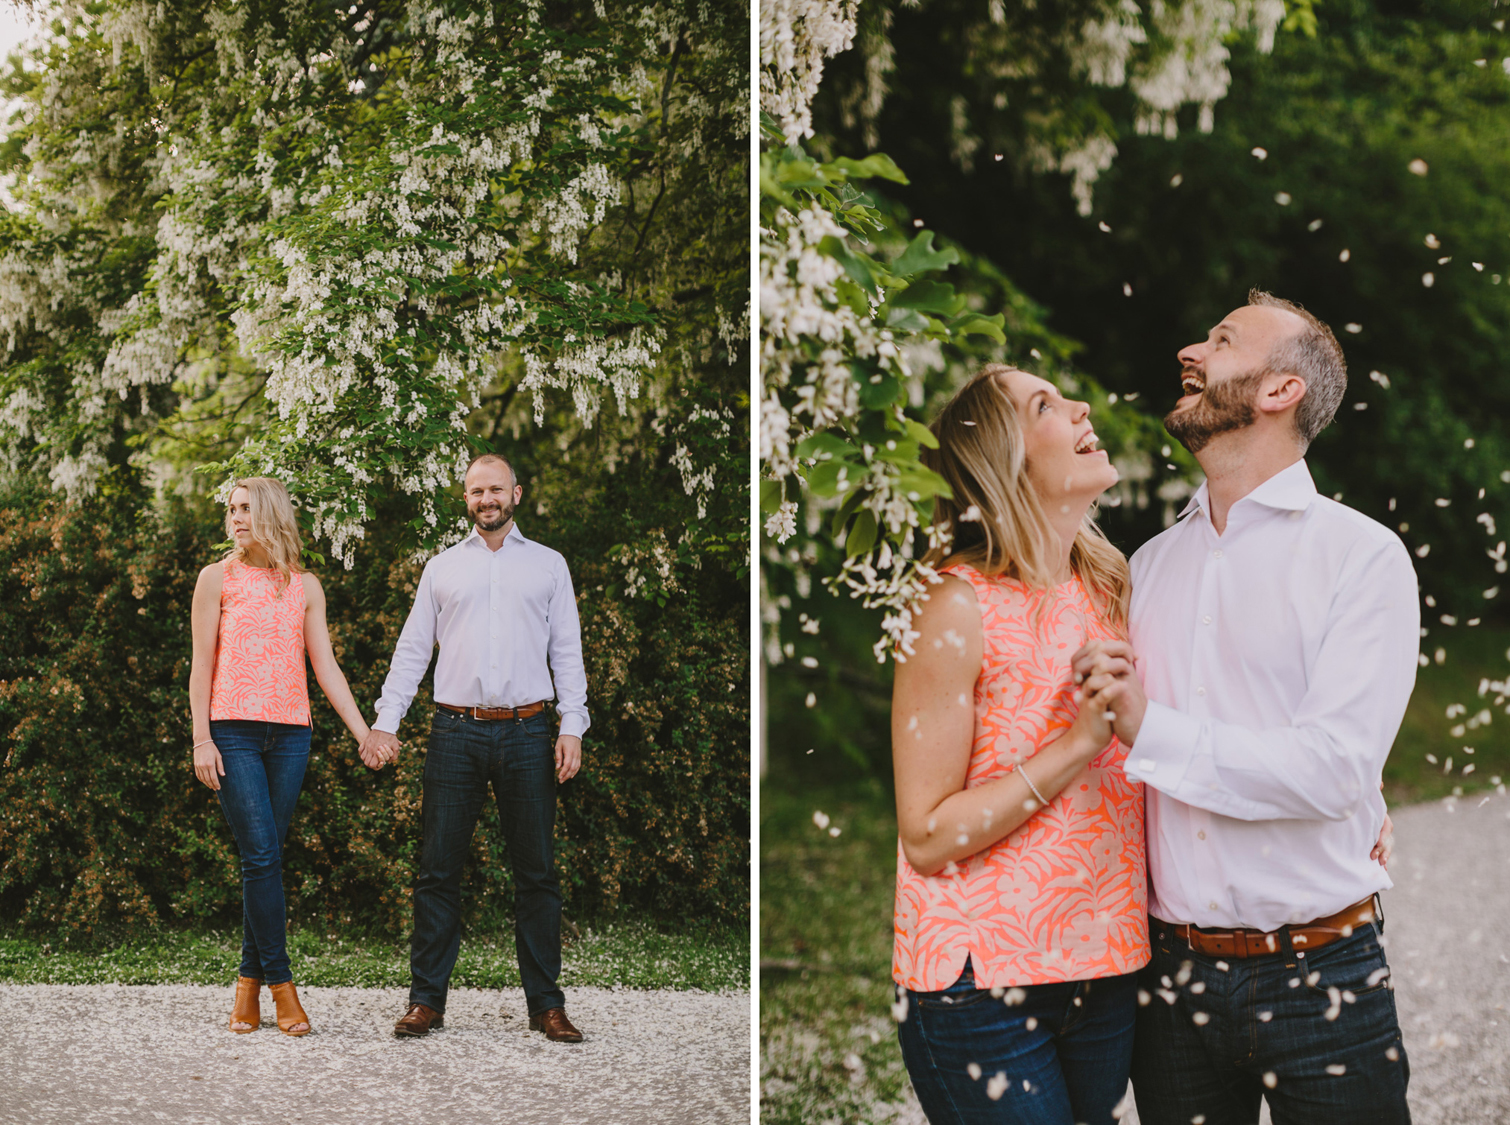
[(103, 824)]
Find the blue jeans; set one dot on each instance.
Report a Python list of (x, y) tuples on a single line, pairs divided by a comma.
[(1058, 1057), (1274, 1016), (264, 769), (518, 757)]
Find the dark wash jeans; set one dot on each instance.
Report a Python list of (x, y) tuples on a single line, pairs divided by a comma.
[(518, 757), (1268, 1016), (264, 769), (1063, 1051)]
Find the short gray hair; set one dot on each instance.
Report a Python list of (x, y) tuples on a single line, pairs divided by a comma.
[(1313, 354)]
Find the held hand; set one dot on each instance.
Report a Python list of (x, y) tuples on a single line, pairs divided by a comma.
[(378, 749), (1114, 657), (1125, 700), (568, 757), (207, 765), (1385, 844)]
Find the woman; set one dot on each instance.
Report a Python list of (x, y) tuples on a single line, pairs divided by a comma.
[(1021, 887), (255, 616)]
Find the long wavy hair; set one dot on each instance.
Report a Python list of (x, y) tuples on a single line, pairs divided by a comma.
[(996, 519), (273, 526)]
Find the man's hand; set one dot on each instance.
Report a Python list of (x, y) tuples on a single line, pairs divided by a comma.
[(378, 749), (1124, 698), (568, 756)]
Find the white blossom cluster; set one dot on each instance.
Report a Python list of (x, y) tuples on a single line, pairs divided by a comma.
[(807, 339), (796, 36)]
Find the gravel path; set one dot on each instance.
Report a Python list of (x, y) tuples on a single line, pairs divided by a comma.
[(76, 1055)]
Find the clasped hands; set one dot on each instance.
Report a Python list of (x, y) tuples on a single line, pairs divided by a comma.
[(1103, 672), (379, 748)]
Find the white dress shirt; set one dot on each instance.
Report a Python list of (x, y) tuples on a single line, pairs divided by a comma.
[(499, 616), (1278, 658)]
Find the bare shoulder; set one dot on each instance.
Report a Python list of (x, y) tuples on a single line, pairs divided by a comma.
[(947, 623), (212, 577), (312, 587), (950, 604)]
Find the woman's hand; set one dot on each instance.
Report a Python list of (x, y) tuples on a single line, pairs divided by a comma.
[(207, 765), (1385, 844)]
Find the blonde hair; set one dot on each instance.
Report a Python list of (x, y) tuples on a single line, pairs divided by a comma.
[(272, 524), (982, 456)]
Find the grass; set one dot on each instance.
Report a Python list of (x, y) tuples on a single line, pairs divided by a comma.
[(829, 1051), (633, 954), (828, 1045), (1471, 657)]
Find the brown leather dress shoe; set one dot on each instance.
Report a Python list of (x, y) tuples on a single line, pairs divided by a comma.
[(419, 1020), (556, 1026)]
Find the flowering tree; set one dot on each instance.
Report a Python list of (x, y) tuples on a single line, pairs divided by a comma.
[(307, 241), (853, 325)]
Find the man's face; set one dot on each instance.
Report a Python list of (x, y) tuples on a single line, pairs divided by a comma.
[(1221, 377), (492, 495)]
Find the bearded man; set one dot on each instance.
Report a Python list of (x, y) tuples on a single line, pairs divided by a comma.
[(501, 608), (1276, 634)]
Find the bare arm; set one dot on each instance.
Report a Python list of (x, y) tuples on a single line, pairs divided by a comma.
[(933, 731), (204, 626), (323, 660)]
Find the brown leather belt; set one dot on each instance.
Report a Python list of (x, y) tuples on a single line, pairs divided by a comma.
[(1257, 943), (529, 710)]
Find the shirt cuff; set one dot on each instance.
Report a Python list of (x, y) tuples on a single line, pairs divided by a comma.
[(387, 723), (1166, 744), (574, 723)]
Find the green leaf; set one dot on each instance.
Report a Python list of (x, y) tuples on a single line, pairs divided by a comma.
[(876, 164), (823, 480), (770, 495), (925, 482), (815, 444), (884, 392), (975, 324), (862, 536), (847, 509), (921, 434), (853, 265), (906, 320), (920, 256), (929, 296)]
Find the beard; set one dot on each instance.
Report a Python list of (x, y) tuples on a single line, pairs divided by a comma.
[(1224, 407), (492, 520)]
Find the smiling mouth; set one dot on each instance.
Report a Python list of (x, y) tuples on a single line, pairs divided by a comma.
[(1192, 382), (1088, 443)]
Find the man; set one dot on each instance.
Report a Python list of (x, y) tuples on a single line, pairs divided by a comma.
[(1276, 632), (501, 608)]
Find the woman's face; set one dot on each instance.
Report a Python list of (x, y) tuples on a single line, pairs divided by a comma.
[(1066, 468), (239, 508)]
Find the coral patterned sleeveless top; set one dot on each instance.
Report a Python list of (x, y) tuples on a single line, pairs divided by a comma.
[(259, 655), (1064, 896)]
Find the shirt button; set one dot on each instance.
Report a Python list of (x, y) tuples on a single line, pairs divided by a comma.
[(1216, 554), (1206, 620), (1201, 835), (1212, 906), (1200, 691)]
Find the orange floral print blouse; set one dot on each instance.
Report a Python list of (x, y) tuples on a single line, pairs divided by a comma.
[(259, 654), (1065, 895)]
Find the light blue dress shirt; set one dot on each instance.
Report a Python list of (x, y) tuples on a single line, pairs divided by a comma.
[(508, 630)]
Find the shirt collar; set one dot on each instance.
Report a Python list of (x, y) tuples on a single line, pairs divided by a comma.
[(514, 533), (1289, 490)]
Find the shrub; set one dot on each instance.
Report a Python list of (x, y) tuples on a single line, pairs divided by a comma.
[(103, 824)]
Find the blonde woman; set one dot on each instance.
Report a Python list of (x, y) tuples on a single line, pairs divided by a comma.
[(256, 614), (1021, 889)]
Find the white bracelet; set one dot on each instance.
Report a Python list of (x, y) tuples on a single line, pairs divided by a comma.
[(197, 745), (1031, 786)]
